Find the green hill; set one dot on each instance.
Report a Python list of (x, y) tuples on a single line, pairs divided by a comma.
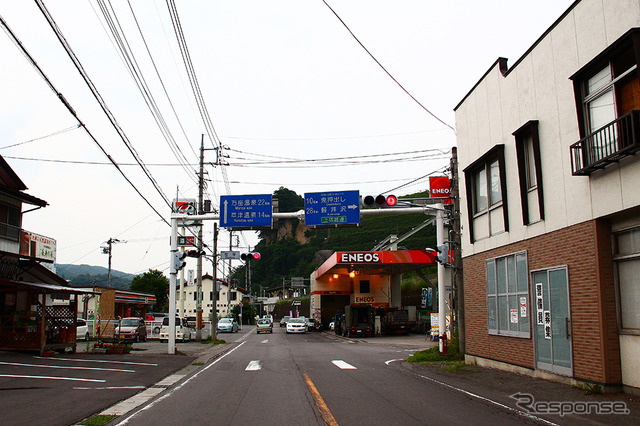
[(90, 276)]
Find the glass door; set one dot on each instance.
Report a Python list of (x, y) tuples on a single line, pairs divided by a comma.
[(552, 321)]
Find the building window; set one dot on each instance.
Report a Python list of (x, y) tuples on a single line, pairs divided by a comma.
[(626, 252), (529, 172), (365, 286), (508, 295), (606, 92), (233, 296), (10, 222), (485, 181)]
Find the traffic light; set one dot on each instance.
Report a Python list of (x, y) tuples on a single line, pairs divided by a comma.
[(380, 201), (195, 253), (247, 257), (178, 261), (443, 254)]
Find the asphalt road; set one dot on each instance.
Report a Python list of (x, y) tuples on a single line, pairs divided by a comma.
[(308, 379), (66, 388)]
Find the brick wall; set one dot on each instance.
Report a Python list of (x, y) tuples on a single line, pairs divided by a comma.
[(585, 249)]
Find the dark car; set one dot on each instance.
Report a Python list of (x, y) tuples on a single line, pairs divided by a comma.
[(283, 321), (313, 325), (131, 329)]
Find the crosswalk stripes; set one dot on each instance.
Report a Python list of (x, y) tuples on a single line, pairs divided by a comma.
[(343, 365), (253, 366)]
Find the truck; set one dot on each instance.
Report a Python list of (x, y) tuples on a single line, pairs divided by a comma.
[(357, 321), (397, 321)]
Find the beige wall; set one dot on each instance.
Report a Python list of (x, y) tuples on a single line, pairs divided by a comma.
[(538, 88)]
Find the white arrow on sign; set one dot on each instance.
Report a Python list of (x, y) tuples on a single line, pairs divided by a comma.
[(225, 210), (352, 207)]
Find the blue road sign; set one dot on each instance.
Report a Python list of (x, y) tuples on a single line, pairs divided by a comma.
[(245, 211), (332, 208)]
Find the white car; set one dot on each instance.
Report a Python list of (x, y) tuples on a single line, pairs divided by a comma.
[(296, 325), (229, 325), (183, 332), (82, 329)]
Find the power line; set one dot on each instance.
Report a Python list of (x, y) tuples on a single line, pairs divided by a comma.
[(385, 70), (59, 132), (62, 99), (96, 94)]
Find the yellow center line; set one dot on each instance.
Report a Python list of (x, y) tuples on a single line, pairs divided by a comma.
[(322, 406)]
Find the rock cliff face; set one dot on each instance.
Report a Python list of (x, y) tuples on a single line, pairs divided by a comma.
[(286, 230)]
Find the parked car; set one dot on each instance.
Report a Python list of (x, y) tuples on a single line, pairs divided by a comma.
[(264, 326), (296, 325), (82, 329), (283, 321), (192, 322), (131, 329), (183, 332), (313, 325), (227, 325)]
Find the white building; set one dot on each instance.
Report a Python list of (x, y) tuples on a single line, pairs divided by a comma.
[(551, 202), (226, 298)]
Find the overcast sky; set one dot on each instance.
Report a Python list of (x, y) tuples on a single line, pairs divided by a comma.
[(297, 101)]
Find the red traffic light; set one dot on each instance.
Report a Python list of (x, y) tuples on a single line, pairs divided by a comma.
[(380, 201), (250, 256)]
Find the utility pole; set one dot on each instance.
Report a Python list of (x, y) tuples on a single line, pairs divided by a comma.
[(199, 264), (108, 250), (458, 282), (214, 291)]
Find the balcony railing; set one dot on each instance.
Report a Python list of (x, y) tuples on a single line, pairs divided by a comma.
[(606, 145)]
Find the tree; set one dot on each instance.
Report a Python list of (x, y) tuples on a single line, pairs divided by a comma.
[(248, 312), (154, 282)]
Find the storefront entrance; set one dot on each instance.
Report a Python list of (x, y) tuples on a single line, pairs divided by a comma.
[(552, 323)]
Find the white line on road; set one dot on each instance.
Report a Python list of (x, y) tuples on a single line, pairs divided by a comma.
[(343, 365), (108, 387), (253, 366), (65, 367), (98, 360), (177, 388), (19, 376), (265, 341), (393, 360), (520, 413)]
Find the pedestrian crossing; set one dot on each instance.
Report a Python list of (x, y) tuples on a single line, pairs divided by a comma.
[(256, 365)]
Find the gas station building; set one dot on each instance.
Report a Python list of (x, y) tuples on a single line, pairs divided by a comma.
[(363, 277)]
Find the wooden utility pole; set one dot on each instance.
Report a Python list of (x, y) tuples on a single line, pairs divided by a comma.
[(458, 282), (199, 243), (214, 290)]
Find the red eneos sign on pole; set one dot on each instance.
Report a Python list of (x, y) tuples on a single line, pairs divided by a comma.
[(440, 187)]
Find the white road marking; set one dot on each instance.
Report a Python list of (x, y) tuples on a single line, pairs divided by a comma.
[(20, 376), (98, 360), (392, 360), (265, 341), (343, 365), (108, 387), (66, 367), (253, 366), (175, 389), (518, 412)]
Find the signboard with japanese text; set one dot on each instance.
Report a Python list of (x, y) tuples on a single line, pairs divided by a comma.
[(332, 208), (37, 246), (246, 211)]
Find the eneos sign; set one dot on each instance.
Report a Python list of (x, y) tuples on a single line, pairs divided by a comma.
[(359, 257)]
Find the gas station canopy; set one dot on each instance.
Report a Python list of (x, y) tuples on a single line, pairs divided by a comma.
[(376, 262)]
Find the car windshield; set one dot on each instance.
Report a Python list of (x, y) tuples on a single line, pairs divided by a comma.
[(264, 321), (226, 320), (129, 322), (296, 321)]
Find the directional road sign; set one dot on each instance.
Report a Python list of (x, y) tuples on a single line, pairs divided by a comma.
[(226, 255), (245, 211), (332, 208)]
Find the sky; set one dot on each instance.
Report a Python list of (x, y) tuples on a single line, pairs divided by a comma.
[(289, 92)]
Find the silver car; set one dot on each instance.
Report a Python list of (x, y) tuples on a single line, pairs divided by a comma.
[(227, 325)]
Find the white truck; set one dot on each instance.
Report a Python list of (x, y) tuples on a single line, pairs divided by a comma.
[(183, 332)]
